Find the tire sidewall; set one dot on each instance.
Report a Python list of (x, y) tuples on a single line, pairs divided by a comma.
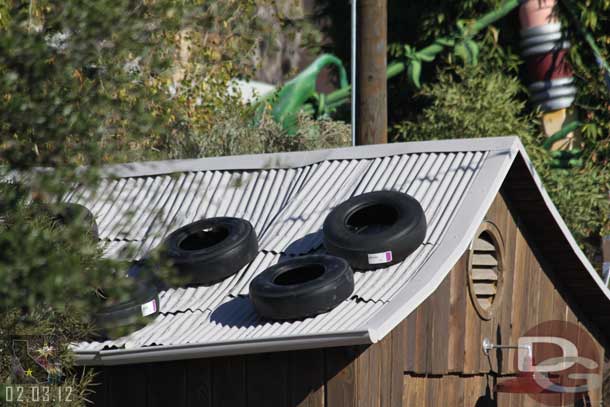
[(401, 239), (306, 299)]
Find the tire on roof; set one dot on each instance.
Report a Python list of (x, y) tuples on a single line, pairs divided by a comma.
[(375, 229), (118, 316), (210, 250), (302, 287), (67, 213)]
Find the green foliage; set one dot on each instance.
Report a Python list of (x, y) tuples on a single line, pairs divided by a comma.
[(237, 133), (482, 101), (491, 100), (93, 82), (64, 75), (85, 83), (469, 102), (33, 249), (581, 195)]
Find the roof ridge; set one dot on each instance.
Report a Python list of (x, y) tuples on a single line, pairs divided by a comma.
[(295, 159)]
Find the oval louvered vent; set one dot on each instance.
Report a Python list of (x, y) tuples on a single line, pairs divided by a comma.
[(485, 269)]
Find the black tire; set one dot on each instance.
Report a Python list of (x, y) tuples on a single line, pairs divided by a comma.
[(146, 271), (210, 250), (67, 213), (125, 317), (302, 287), (375, 229)]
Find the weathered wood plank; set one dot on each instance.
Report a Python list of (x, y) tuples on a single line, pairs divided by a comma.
[(410, 390), (487, 289), (421, 392), (229, 381), (534, 298), (340, 376), (385, 370), (98, 389), (368, 377), (519, 298), (451, 392), (166, 384), (503, 321), (484, 274), (482, 245), (457, 316), (484, 259), (422, 338), (408, 394), (410, 336), (487, 331), (443, 390), (266, 379), (471, 390), (432, 390), (199, 382), (397, 355), (306, 378), (439, 344), (128, 385), (472, 340)]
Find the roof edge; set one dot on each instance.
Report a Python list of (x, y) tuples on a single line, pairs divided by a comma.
[(406, 301), (561, 223), (304, 158), (193, 351), (468, 218)]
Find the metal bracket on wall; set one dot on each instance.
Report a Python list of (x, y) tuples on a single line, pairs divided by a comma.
[(487, 346)]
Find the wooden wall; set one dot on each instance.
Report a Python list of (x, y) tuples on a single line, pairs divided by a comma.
[(347, 376), (433, 358), (444, 335)]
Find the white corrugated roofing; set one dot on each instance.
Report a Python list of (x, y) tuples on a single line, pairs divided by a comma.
[(286, 197)]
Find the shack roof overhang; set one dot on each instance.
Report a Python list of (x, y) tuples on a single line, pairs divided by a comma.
[(506, 163)]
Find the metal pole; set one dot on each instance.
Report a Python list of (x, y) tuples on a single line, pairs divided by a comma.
[(353, 69), (371, 61)]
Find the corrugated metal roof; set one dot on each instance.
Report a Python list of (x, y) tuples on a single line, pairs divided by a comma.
[(287, 197), (287, 207), (234, 320)]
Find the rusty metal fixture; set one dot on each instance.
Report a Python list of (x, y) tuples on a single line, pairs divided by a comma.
[(549, 66), (535, 13), (545, 50)]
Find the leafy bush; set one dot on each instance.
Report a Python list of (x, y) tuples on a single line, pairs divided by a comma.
[(482, 101), (469, 102), (86, 83), (235, 132)]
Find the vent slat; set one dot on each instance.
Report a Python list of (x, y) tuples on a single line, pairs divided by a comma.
[(483, 289), (485, 302), (487, 274), (482, 245), (483, 260)]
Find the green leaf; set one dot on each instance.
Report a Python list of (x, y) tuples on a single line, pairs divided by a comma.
[(425, 56), (447, 42), (461, 52), (409, 51), (414, 73), (473, 50)]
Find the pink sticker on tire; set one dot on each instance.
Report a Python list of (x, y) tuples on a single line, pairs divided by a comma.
[(149, 308), (380, 258)]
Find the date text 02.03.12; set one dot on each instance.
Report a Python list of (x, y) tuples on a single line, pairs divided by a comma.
[(24, 393)]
